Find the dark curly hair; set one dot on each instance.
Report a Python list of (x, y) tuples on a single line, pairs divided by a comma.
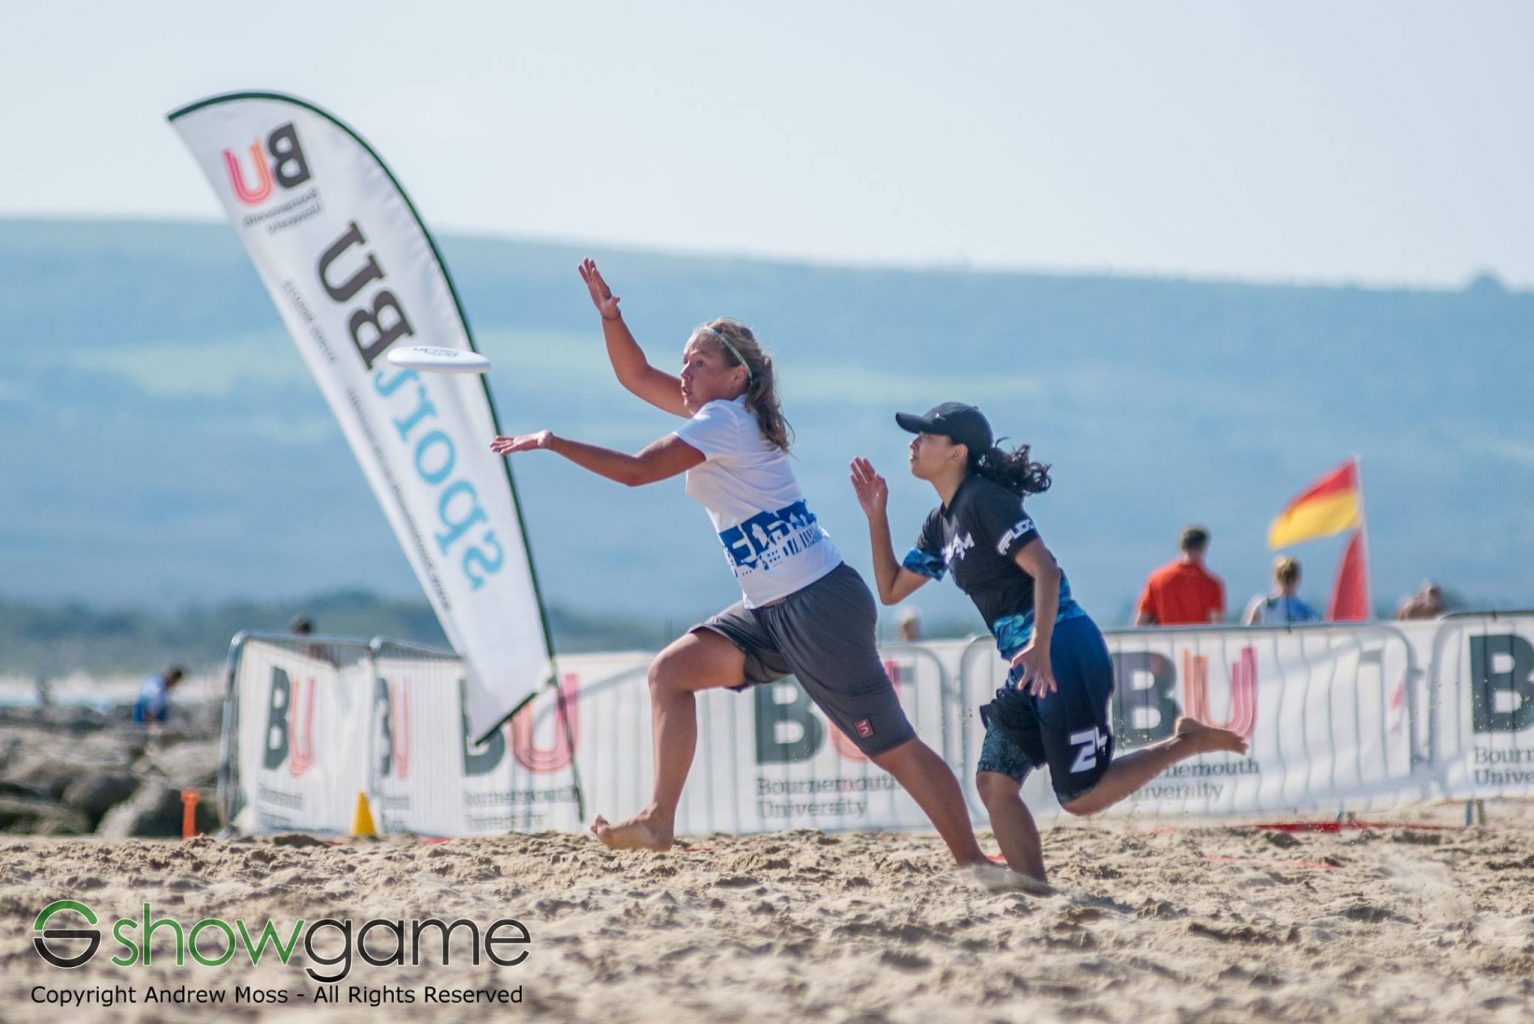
[(1012, 469)]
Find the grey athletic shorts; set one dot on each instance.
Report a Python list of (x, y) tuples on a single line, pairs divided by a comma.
[(823, 635)]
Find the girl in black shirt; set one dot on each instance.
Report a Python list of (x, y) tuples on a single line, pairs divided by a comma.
[(1053, 708)]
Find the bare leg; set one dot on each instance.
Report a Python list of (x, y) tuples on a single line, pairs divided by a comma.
[(931, 784), (1012, 823), (701, 660), (1128, 773)]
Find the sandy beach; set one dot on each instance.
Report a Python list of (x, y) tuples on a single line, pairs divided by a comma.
[(1173, 923)]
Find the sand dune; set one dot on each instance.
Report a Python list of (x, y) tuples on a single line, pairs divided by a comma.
[(1175, 924)]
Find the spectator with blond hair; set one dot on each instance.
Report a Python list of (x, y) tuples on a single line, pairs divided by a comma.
[(1283, 607)]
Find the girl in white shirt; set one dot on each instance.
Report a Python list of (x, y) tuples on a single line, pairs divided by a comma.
[(803, 610)]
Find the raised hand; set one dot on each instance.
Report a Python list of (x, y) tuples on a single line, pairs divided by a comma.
[(602, 296), (504, 445), (872, 490)]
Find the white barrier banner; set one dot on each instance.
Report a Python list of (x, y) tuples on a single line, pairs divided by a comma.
[(1337, 718), (1325, 713), (302, 739), (771, 760), (432, 777), (352, 272), (1483, 706)]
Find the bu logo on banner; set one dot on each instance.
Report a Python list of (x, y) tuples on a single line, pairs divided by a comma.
[(1144, 701), (289, 723), (557, 756), (280, 160), (542, 759), (391, 709), (1243, 691)]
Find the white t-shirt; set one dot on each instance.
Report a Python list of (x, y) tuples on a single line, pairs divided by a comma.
[(771, 539)]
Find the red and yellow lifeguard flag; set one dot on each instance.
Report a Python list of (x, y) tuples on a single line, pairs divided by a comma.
[(1331, 505), (1350, 594)]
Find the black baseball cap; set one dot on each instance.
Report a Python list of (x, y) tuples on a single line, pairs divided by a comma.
[(956, 421)]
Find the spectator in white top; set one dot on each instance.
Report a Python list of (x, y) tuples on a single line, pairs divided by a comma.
[(1283, 607), (803, 610)]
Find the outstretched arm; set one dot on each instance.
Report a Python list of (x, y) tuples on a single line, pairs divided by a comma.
[(659, 460), (634, 371), (896, 583)]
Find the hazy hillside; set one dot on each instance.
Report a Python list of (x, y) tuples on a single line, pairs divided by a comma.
[(163, 442), (51, 640)]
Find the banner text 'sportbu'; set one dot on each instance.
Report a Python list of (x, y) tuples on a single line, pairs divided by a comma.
[(353, 272)]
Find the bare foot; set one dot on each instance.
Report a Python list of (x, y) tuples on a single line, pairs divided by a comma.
[(997, 878), (637, 833), (1207, 738)]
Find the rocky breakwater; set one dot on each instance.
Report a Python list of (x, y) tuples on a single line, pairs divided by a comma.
[(78, 771)]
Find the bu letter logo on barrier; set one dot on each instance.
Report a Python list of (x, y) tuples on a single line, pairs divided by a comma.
[(1501, 683), (1144, 710), (289, 731), (787, 730), (391, 716), (1243, 691), (558, 755), (1143, 705), (281, 161)]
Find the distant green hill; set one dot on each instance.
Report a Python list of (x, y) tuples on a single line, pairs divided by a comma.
[(164, 443), (51, 640)]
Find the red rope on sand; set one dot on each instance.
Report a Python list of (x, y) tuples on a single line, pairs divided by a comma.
[(1306, 826), (1314, 865), (1338, 826)]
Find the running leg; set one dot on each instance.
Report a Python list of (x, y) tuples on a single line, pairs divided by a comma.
[(1012, 823), (931, 783), (1128, 773), (701, 660)]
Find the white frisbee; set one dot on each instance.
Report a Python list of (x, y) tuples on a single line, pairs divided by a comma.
[(438, 360)]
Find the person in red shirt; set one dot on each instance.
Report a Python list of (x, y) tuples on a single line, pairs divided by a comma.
[(1183, 593)]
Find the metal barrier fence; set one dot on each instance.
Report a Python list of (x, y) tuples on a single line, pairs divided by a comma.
[(1338, 717), (1481, 742), (283, 728)]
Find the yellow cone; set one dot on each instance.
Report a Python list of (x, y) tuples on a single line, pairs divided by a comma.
[(362, 818)]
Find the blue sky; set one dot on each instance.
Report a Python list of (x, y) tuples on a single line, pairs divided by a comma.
[(1369, 142)]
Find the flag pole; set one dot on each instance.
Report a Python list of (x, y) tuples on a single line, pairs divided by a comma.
[(1363, 535)]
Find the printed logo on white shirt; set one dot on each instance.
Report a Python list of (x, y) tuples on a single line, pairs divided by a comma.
[(772, 541)]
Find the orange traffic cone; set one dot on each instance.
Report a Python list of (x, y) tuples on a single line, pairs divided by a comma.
[(362, 818)]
